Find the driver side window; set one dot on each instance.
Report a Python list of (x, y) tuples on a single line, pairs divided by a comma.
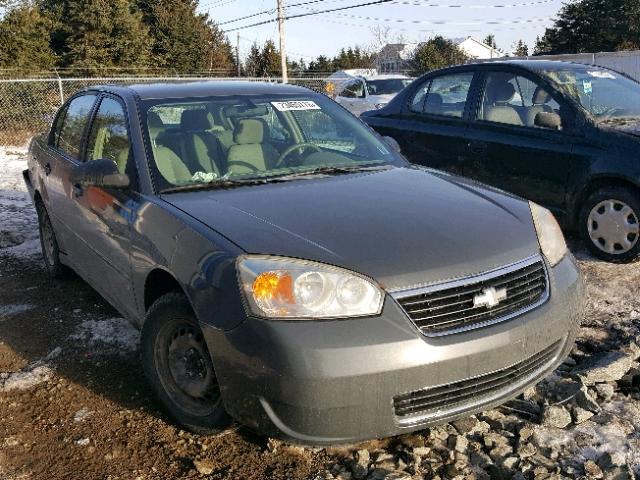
[(355, 90)]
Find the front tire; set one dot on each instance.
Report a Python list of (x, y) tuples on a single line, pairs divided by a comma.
[(178, 365), (610, 224), (49, 244)]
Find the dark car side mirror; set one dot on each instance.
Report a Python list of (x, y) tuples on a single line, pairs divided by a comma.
[(393, 143), (99, 173), (548, 120)]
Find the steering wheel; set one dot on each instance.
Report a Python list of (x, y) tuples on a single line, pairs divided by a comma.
[(292, 148)]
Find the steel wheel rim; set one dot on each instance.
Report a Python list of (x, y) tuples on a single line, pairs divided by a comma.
[(613, 227), (48, 242), (189, 378)]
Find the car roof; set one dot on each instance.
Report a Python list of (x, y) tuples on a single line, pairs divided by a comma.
[(190, 89), (531, 65)]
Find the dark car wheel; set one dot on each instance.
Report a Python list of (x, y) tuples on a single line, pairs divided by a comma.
[(177, 363), (49, 244), (610, 224)]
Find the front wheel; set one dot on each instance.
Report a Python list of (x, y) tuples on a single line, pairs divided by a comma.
[(177, 363), (610, 224)]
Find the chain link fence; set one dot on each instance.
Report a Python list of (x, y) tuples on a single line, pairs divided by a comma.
[(28, 105)]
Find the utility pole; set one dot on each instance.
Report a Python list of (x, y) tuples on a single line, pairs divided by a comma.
[(238, 54), (283, 54)]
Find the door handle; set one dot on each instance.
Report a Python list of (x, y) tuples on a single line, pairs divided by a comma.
[(78, 191), (47, 169), (477, 147)]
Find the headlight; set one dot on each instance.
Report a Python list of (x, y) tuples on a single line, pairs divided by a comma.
[(277, 287), (550, 236)]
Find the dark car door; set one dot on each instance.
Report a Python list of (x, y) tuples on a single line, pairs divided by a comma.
[(506, 149), (105, 215), (432, 126)]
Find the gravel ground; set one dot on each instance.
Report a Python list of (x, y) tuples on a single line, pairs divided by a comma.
[(74, 404)]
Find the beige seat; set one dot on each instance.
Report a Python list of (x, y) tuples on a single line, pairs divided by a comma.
[(171, 167), (496, 103), (250, 154), (540, 99), (197, 143)]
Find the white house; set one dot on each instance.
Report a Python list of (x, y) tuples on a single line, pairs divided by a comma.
[(395, 57)]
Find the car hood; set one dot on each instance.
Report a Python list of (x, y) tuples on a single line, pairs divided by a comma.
[(404, 227)]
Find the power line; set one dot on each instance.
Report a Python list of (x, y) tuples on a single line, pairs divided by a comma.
[(299, 15), (273, 10)]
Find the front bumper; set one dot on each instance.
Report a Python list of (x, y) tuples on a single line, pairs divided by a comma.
[(328, 382)]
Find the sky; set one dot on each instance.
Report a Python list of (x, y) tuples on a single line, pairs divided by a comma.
[(413, 20)]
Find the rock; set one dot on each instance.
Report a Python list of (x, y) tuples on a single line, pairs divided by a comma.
[(555, 416), (465, 425), (344, 476), (580, 415), (611, 459), (451, 471), (500, 452), (605, 390), (479, 459), (586, 401), (359, 471), (511, 463), (363, 457), (204, 467), (493, 439), (379, 474), (608, 367), (420, 451), (459, 443), (592, 469), (526, 450), (83, 442)]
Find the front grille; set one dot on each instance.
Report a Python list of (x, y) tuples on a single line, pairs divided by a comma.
[(450, 307), (446, 399)]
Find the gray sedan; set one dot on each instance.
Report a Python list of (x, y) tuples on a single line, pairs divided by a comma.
[(290, 270)]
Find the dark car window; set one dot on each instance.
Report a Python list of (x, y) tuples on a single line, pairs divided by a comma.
[(417, 102), (514, 100), (354, 90), (109, 139), (387, 86), (448, 95), (74, 124), (54, 136)]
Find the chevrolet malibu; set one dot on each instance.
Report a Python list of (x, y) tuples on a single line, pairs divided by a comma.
[(289, 269)]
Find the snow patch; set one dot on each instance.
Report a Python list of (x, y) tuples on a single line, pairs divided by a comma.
[(10, 310), (29, 377), (109, 336), (82, 414)]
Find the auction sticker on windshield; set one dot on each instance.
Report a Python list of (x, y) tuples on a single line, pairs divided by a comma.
[(295, 105)]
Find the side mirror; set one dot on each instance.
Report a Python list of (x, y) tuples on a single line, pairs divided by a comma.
[(393, 143), (548, 120), (99, 173)]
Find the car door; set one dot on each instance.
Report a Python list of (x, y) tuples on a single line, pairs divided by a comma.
[(505, 147), (66, 145), (432, 126), (106, 214)]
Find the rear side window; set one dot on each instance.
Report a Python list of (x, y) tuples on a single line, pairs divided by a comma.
[(417, 103), (448, 95), (74, 124)]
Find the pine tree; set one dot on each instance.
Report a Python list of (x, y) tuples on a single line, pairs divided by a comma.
[(95, 36), (184, 40), (593, 26), (490, 40), (521, 50), (252, 63), (437, 52), (25, 40), (269, 65)]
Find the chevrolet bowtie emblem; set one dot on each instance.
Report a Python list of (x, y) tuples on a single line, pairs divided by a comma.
[(490, 297)]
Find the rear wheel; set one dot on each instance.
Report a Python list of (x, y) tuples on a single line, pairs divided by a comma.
[(49, 244), (178, 365), (610, 224)]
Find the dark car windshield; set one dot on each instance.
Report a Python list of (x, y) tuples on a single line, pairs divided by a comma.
[(241, 138), (387, 86), (606, 95)]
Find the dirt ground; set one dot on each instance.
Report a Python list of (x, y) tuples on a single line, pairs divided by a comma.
[(74, 401)]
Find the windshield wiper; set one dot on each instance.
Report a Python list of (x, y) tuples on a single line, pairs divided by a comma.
[(220, 183), (333, 170)]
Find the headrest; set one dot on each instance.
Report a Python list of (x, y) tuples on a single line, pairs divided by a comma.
[(500, 91), (434, 100), (248, 131), (154, 121), (196, 120), (540, 96)]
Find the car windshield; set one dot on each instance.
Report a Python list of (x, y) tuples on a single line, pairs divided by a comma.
[(221, 140), (387, 86), (606, 95)]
